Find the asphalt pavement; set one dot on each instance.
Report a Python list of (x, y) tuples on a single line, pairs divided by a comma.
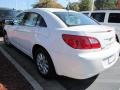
[(10, 77)]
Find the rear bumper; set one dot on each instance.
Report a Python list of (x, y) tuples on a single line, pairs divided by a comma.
[(86, 65)]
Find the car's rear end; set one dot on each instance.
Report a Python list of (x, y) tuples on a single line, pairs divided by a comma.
[(85, 48)]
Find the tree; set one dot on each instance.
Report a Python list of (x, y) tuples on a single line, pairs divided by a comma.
[(118, 4), (74, 6), (99, 4), (47, 4), (85, 5), (105, 4)]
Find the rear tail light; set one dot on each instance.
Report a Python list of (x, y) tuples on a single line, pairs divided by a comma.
[(81, 42)]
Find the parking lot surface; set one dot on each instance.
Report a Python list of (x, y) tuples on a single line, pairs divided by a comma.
[(11, 77), (108, 80)]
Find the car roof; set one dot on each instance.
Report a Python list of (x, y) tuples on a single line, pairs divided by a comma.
[(52, 9)]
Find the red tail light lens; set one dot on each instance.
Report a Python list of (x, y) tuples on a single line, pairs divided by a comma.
[(81, 42)]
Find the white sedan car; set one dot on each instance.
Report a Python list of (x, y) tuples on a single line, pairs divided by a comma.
[(63, 42)]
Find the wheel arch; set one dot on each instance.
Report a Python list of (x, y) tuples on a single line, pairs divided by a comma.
[(35, 47)]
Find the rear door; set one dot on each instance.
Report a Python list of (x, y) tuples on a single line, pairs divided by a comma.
[(25, 34)]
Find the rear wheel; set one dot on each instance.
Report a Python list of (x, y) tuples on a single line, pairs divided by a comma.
[(44, 63)]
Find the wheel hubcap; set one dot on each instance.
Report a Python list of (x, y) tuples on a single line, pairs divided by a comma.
[(42, 63)]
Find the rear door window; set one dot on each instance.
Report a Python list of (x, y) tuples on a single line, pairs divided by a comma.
[(31, 19), (114, 18), (98, 16)]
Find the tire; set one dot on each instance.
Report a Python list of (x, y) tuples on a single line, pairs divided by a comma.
[(44, 64), (6, 39)]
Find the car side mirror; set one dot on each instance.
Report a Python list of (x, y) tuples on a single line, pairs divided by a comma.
[(9, 22)]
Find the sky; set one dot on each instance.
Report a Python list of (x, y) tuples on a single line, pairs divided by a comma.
[(25, 4)]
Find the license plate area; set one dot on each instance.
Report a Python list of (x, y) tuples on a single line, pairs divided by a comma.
[(111, 59)]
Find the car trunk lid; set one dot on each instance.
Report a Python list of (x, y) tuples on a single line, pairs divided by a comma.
[(104, 34)]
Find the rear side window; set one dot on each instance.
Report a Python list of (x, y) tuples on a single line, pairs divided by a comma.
[(41, 22), (98, 16), (114, 18)]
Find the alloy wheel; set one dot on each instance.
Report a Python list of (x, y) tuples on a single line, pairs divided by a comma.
[(42, 63)]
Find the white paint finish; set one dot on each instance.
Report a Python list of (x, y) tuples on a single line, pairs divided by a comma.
[(75, 63)]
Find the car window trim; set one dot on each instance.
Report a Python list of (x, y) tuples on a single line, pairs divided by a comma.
[(25, 13), (37, 20)]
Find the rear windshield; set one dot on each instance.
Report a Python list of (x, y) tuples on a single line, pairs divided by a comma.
[(7, 14), (75, 18)]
